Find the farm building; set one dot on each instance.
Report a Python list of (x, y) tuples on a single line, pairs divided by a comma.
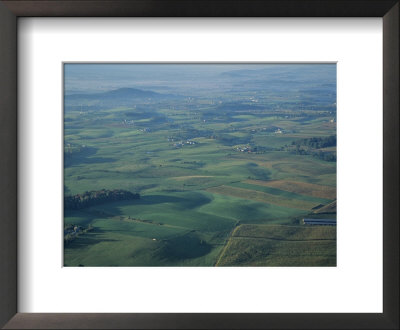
[(320, 222)]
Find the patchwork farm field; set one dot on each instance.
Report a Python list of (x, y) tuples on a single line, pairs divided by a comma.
[(280, 245), (221, 174)]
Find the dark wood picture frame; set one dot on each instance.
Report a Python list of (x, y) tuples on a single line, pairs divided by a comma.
[(10, 10)]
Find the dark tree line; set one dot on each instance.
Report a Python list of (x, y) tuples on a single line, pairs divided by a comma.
[(317, 142), (327, 156), (91, 198), (310, 146)]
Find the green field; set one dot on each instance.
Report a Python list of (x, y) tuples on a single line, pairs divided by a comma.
[(279, 245), (219, 185)]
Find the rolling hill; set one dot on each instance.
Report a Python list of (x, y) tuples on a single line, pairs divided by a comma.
[(121, 96)]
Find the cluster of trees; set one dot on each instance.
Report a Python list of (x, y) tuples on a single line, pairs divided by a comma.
[(262, 149), (310, 146), (327, 156), (317, 142), (73, 231), (90, 198)]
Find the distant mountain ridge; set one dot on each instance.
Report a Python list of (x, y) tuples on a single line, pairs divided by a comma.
[(120, 93)]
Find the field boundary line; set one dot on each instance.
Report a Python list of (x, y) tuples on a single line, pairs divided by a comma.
[(227, 243), (286, 240)]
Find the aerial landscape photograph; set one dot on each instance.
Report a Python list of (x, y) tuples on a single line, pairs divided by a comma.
[(199, 164)]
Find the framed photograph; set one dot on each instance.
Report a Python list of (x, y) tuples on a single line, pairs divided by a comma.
[(207, 161), (169, 161)]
